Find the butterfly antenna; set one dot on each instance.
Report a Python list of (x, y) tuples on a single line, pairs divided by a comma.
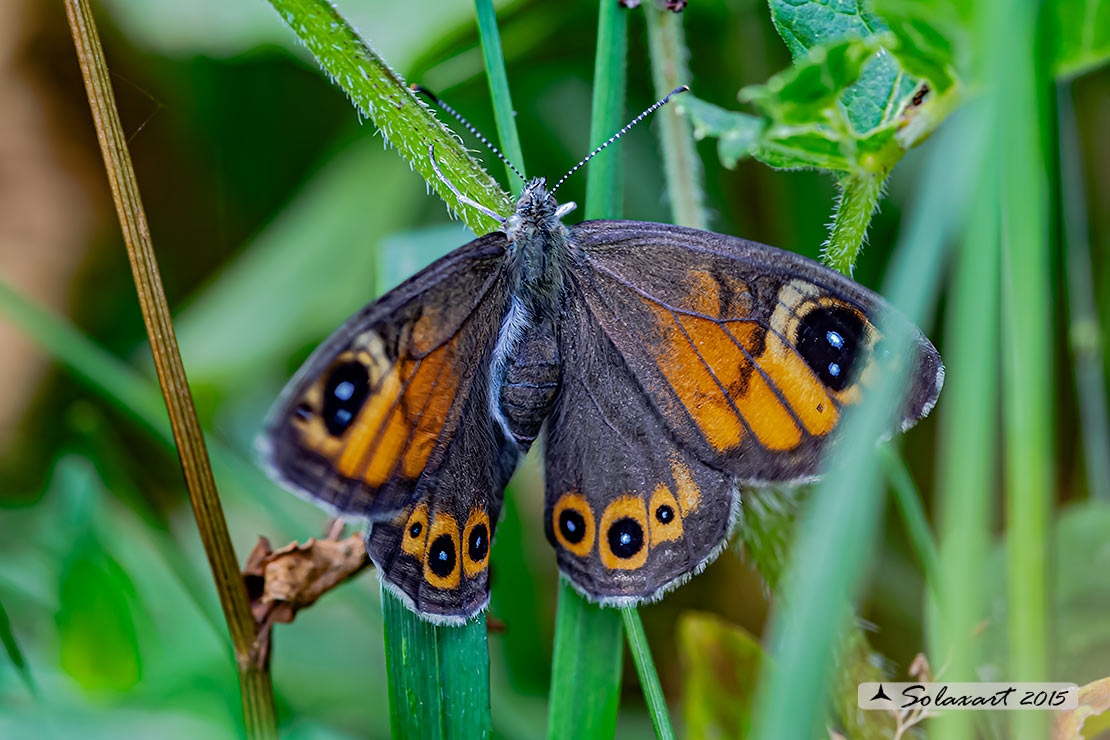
[(654, 107), (421, 90)]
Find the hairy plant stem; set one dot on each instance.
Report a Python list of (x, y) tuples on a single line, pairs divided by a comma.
[(859, 197)]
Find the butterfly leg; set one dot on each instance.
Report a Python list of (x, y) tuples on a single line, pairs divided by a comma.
[(462, 198)]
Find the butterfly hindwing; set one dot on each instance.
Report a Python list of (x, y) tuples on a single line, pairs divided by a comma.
[(628, 512), (389, 420)]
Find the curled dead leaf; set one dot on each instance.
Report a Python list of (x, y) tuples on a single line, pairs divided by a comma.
[(282, 582)]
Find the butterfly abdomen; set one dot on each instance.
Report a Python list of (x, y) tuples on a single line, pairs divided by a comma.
[(530, 382)]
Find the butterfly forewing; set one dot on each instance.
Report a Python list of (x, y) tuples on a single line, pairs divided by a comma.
[(389, 420), (749, 353)]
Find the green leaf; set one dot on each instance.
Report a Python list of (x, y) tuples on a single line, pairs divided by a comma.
[(720, 667), (883, 86), (97, 638), (808, 91), (1082, 35), (738, 134)]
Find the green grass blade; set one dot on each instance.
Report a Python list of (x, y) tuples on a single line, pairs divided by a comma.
[(1020, 77), (649, 679), (604, 172), (967, 454), (669, 69), (838, 532), (586, 669), (1085, 332), (499, 90), (908, 501), (589, 644), (438, 676), (379, 94)]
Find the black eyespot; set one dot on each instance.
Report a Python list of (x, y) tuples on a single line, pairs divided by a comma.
[(346, 391), (664, 514), (830, 340), (626, 537), (416, 529), (573, 526), (477, 544), (441, 556)]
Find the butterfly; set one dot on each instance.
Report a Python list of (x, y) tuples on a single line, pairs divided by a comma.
[(667, 367)]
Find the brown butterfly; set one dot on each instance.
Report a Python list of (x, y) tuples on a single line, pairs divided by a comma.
[(669, 366)]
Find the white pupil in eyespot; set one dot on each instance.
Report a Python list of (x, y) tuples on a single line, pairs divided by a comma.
[(626, 538), (835, 339), (834, 369), (345, 390)]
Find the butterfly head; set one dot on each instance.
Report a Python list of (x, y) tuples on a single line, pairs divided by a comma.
[(538, 244)]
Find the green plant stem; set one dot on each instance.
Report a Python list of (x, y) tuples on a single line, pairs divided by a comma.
[(859, 196), (1085, 333), (649, 679), (382, 96), (499, 90), (1020, 75), (438, 675), (603, 174), (908, 501), (585, 669), (254, 677), (681, 164)]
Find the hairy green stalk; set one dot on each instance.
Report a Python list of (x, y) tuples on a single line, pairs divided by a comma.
[(859, 197), (380, 94)]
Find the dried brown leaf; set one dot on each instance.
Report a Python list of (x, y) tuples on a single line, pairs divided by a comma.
[(1094, 700), (282, 582)]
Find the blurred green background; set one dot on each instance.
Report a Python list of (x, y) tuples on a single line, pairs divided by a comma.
[(276, 214)]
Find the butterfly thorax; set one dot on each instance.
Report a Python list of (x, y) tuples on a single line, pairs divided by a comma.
[(538, 249)]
